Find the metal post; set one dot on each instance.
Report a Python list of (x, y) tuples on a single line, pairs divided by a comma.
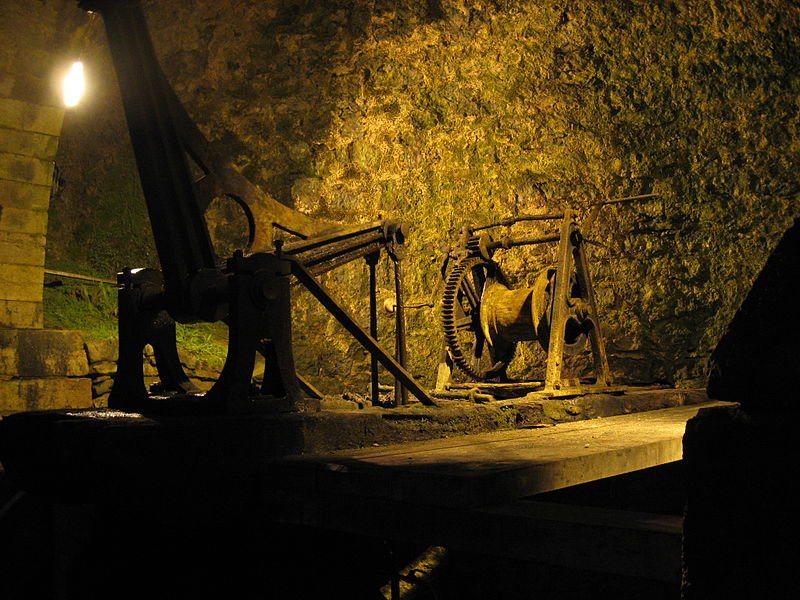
[(372, 261), (400, 392), (601, 368), (558, 316)]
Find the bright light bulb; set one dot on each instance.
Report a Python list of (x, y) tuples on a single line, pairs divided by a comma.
[(74, 85)]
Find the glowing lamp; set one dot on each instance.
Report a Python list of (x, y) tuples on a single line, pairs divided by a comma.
[(74, 85)]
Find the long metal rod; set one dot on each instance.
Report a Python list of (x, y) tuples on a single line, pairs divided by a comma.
[(372, 261), (79, 276), (555, 216), (531, 241), (400, 391), (514, 220), (625, 199), (366, 340), (342, 234)]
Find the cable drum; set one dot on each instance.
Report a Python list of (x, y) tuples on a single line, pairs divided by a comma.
[(483, 319)]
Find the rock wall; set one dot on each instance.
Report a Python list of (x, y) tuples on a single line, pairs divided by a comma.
[(451, 112), (101, 357)]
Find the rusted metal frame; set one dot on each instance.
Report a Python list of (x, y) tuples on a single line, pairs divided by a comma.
[(596, 339), (141, 321), (348, 322), (180, 232), (340, 256), (559, 311), (164, 139), (260, 311), (339, 235), (372, 261), (325, 252)]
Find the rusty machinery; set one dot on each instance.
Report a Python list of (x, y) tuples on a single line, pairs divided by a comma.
[(483, 318), (250, 291)]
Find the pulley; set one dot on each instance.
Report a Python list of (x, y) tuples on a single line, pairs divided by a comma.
[(483, 319)]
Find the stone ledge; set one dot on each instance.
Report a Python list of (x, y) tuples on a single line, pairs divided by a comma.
[(51, 352), (45, 393), (42, 353)]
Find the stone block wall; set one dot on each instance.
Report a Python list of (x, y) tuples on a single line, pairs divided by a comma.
[(38, 368), (28, 142), (101, 356), (42, 369)]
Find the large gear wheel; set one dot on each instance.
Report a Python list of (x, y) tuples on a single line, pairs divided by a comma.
[(461, 306)]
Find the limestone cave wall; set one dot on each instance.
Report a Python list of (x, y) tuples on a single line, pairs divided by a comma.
[(453, 112)]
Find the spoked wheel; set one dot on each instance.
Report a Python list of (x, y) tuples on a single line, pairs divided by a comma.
[(461, 307)]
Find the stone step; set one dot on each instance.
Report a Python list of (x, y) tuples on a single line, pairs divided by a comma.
[(42, 353), (44, 393), (43, 369)]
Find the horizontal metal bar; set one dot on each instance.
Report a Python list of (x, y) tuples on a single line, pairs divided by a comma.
[(79, 276), (512, 220), (625, 199), (512, 243), (338, 235)]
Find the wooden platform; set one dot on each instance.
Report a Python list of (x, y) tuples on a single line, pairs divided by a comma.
[(494, 468), (475, 492), (478, 493)]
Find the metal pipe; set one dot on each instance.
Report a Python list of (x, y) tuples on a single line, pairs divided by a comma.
[(507, 243), (372, 261), (513, 220), (400, 392), (625, 199), (79, 276)]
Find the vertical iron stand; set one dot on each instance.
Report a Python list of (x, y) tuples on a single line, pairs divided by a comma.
[(571, 255), (396, 254), (372, 261)]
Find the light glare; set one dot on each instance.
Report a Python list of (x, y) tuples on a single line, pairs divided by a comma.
[(74, 85)]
